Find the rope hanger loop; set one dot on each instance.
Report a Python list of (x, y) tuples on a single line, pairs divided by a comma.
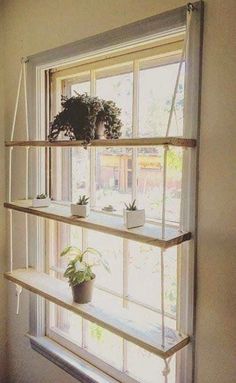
[(22, 78), (190, 9)]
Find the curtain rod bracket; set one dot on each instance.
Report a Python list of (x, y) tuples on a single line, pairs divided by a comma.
[(191, 7), (24, 60)]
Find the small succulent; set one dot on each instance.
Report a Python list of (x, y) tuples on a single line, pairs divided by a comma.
[(131, 206), (41, 196), (83, 200)]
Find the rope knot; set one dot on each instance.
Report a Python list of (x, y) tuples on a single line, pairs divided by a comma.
[(166, 371)]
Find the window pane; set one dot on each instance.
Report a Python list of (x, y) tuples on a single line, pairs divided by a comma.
[(145, 265), (80, 163), (147, 367), (113, 177), (100, 341), (68, 324), (111, 249), (157, 85), (80, 87), (150, 182), (114, 85)]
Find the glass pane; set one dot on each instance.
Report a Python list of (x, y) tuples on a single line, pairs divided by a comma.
[(157, 85), (80, 87), (150, 182), (174, 184), (69, 325), (113, 177), (114, 85), (145, 265), (111, 249), (102, 342), (147, 367), (80, 164)]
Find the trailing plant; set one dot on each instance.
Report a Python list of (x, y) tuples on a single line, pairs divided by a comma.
[(83, 200), (81, 114), (79, 269), (131, 206), (41, 196)]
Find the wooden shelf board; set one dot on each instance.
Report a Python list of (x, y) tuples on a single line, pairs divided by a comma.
[(107, 223), (120, 321), (149, 141)]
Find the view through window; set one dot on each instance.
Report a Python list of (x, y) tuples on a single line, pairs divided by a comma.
[(143, 89)]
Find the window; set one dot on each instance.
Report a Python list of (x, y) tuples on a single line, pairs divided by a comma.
[(141, 82), (136, 66)]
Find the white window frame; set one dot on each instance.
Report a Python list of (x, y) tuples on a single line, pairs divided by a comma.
[(118, 38)]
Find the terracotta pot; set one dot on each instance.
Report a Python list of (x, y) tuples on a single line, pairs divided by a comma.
[(82, 293), (100, 130)]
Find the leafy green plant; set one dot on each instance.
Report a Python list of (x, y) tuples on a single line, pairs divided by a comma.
[(41, 196), (83, 200), (79, 269), (81, 114), (131, 206)]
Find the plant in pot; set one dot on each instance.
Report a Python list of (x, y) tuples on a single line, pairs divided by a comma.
[(81, 208), (41, 200), (79, 271), (133, 217), (85, 118)]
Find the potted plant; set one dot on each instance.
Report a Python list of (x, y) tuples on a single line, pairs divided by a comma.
[(42, 200), (133, 217), (85, 118), (79, 272), (81, 208)]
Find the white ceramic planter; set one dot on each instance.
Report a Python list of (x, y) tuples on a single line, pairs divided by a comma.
[(80, 210), (44, 202), (134, 218)]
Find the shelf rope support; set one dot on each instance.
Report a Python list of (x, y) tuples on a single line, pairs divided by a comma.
[(163, 222), (18, 293), (22, 76), (190, 9), (166, 369)]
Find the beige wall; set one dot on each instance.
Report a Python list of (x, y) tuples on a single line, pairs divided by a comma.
[(35, 25)]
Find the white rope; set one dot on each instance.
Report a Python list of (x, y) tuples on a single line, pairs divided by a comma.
[(26, 215), (10, 211), (162, 299), (22, 72), (10, 173), (10, 241), (166, 369), (18, 293), (163, 215), (189, 16), (16, 104), (166, 148), (24, 61)]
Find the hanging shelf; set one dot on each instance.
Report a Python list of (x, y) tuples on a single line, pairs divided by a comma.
[(107, 223), (158, 339), (120, 322), (131, 142)]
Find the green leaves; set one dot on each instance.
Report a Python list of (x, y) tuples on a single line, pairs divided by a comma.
[(83, 200), (41, 196), (131, 206), (78, 269)]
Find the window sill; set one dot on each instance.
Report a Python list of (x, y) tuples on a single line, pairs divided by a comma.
[(70, 363)]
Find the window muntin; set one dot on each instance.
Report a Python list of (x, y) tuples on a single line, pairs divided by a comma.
[(118, 175)]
